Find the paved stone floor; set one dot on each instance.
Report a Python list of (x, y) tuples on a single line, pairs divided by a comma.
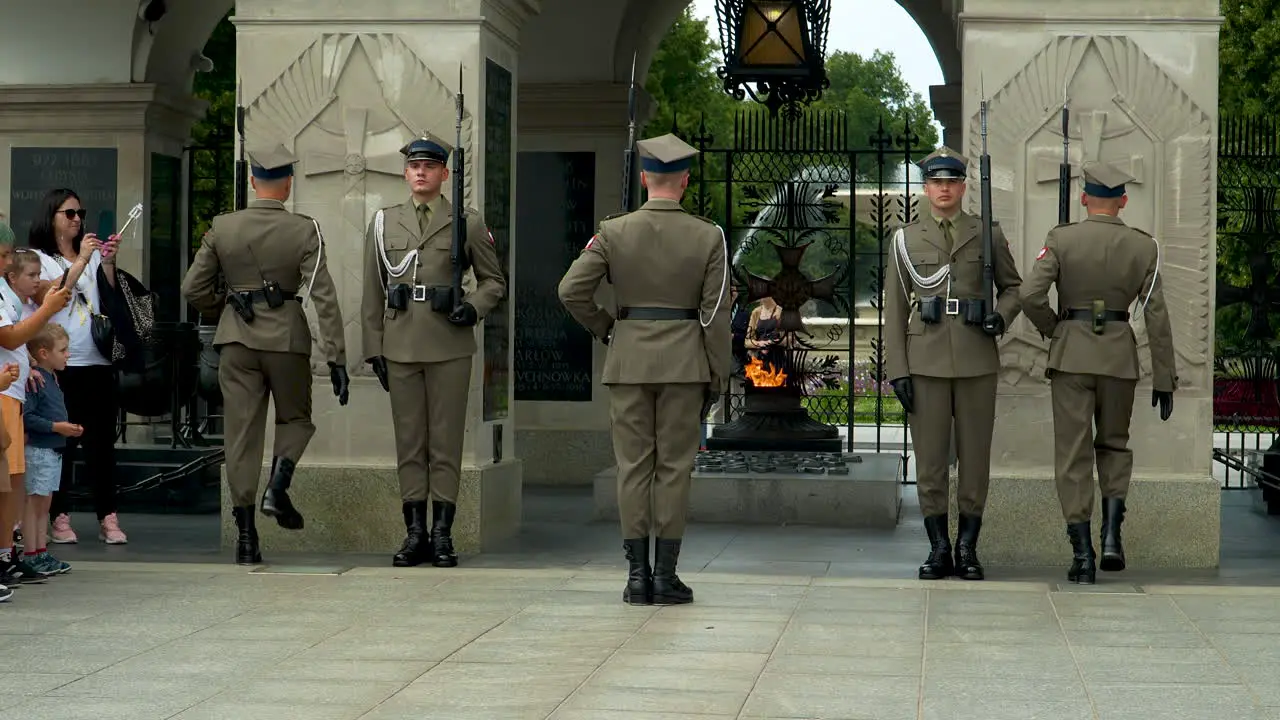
[(195, 642), (788, 623)]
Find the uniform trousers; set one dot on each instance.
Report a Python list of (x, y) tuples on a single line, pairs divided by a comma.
[(1081, 403), (429, 414), (248, 379), (971, 402), (655, 441)]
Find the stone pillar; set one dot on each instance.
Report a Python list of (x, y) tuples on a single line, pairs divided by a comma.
[(946, 103), (563, 410), (1143, 85), (116, 145), (345, 86)]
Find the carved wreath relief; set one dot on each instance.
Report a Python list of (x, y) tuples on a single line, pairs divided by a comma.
[(346, 105), (1126, 110)]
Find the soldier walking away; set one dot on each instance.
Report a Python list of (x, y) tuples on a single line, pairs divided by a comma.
[(266, 256), (1100, 266), (942, 359), (670, 353), (421, 342)]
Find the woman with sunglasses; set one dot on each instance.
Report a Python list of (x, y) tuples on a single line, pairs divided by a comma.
[(89, 381)]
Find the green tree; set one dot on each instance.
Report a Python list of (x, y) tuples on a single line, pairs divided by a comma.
[(1249, 79), (213, 138)]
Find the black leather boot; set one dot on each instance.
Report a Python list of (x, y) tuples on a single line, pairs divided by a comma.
[(416, 548), (247, 552), (667, 586), (1112, 548), (441, 540), (275, 499), (939, 565), (1084, 569), (967, 564), (639, 589)]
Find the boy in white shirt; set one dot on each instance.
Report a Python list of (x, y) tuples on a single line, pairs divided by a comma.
[(15, 332)]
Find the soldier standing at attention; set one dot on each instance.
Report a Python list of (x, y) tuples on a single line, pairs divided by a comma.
[(421, 343), (942, 359), (267, 255), (1100, 266), (670, 353)]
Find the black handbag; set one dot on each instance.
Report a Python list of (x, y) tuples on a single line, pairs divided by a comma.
[(103, 332)]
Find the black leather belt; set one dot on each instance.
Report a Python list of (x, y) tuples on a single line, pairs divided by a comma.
[(260, 296), (657, 313), (1087, 315), (954, 306)]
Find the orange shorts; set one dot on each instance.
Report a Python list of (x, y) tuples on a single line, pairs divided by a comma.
[(15, 454)]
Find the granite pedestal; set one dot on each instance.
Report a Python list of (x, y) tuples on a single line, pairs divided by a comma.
[(774, 488), (357, 509)]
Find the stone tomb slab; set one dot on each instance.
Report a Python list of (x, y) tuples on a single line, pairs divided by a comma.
[(844, 490)]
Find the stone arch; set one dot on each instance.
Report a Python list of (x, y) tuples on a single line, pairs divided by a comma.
[(646, 21), (165, 57)]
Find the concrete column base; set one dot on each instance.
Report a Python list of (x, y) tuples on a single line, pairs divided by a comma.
[(357, 509), (1170, 522)]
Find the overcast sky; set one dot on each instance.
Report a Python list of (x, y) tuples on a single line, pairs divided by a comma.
[(864, 27)]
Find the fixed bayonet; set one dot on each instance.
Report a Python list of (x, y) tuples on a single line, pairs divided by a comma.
[(459, 214), (629, 153), (1064, 170)]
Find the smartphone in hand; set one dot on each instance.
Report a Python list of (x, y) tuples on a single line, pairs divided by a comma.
[(63, 282)]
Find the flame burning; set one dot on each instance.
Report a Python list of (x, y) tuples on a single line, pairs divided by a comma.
[(760, 376)]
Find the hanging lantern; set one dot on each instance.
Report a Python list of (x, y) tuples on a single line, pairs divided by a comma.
[(775, 49)]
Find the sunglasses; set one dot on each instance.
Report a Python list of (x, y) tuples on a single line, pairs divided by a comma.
[(73, 214)]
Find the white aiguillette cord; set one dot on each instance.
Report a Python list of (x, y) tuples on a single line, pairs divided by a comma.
[(723, 281), (901, 256), (379, 224)]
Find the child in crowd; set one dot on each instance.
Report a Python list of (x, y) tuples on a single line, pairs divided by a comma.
[(45, 419), (19, 322)]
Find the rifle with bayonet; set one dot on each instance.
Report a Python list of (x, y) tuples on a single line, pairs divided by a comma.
[(242, 166), (459, 215), (1064, 169), (629, 154), (988, 270)]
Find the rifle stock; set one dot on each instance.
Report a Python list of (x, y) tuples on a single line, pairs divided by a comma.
[(459, 214), (988, 271), (242, 166), (1064, 169), (629, 153)]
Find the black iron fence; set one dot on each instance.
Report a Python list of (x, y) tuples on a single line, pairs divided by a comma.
[(815, 185)]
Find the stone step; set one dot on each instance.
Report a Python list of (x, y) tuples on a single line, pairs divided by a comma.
[(867, 497)]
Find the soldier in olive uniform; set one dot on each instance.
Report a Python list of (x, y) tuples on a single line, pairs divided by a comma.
[(941, 356), (670, 352), (266, 256), (420, 340), (1100, 266)]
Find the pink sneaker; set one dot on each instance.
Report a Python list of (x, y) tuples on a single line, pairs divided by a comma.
[(62, 533), (110, 532)]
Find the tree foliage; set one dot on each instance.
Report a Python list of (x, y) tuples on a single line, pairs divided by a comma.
[(212, 139)]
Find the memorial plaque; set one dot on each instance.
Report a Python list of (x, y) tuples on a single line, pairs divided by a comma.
[(497, 214), (167, 250), (90, 172), (555, 211)]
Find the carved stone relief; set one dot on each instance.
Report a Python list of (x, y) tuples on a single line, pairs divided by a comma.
[(1124, 109), (345, 106)]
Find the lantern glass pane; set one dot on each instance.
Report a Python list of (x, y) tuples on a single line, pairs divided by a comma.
[(761, 45)]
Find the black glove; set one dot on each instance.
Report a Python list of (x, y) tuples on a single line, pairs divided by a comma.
[(993, 324), (380, 369), (464, 315), (1165, 400), (906, 393), (341, 382)]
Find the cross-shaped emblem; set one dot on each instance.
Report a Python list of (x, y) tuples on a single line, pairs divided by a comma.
[(354, 164), (1093, 130)]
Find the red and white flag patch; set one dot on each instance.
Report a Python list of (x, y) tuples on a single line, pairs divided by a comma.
[(490, 234), (591, 242), (1042, 252)]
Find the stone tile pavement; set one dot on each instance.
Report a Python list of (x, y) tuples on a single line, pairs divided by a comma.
[(196, 641)]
